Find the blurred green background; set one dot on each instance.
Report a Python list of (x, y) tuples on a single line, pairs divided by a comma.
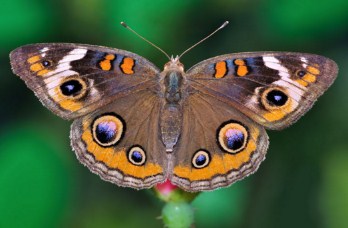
[(302, 183)]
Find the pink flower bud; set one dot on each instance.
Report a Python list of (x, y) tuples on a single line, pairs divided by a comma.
[(166, 187)]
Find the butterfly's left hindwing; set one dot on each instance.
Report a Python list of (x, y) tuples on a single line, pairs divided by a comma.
[(120, 142), (74, 79), (273, 88)]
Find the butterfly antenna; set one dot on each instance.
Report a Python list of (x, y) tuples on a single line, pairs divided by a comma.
[(143, 38), (221, 27)]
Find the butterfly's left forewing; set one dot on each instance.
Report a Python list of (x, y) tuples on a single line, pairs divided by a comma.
[(112, 95), (75, 79)]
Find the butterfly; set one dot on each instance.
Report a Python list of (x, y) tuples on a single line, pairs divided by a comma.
[(204, 128)]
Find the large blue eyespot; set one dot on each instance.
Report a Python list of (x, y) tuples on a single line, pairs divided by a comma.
[(232, 137), (107, 130)]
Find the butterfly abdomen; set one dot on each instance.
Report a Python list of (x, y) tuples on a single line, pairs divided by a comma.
[(171, 124)]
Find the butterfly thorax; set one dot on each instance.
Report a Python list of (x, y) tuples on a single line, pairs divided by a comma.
[(172, 88)]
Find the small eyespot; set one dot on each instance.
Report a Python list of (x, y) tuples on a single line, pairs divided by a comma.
[(74, 88), (107, 130), (232, 137), (136, 155), (201, 159), (46, 63), (300, 73)]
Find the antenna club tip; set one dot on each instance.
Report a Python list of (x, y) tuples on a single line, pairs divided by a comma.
[(124, 24), (224, 24)]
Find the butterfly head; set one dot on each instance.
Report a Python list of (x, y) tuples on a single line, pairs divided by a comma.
[(174, 64)]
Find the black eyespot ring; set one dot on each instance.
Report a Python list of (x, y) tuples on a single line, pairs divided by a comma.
[(274, 98), (301, 73), (46, 63), (73, 87), (136, 155), (108, 129), (201, 159)]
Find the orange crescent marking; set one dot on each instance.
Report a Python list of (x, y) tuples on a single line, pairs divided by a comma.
[(36, 67), (117, 158), (242, 69), (110, 57), (106, 63), (70, 105), (39, 69), (127, 65), (239, 62), (33, 59), (313, 70), (43, 72), (309, 78), (219, 164), (220, 69), (277, 114), (302, 82), (65, 102)]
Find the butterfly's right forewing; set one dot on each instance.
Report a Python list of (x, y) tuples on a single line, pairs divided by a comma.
[(273, 88)]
